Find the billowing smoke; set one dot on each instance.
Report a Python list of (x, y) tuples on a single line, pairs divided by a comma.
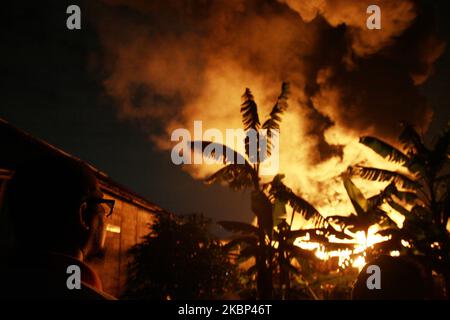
[(170, 62)]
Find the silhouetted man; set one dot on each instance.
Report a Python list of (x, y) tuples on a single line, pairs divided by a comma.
[(400, 279), (58, 216)]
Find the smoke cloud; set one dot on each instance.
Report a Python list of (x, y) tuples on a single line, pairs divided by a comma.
[(169, 62)]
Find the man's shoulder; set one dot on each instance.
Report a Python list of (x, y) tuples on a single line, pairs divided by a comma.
[(91, 293)]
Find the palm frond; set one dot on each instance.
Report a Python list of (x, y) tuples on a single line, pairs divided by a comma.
[(237, 176), (300, 254), (384, 149), (218, 152), (345, 221), (375, 174), (381, 217), (376, 200), (305, 209), (278, 190), (387, 193), (411, 140), (399, 208), (249, 111), (241, 241), (272, 124), (241, 227), (331, 231), (294, 234), (404, 196), (358, 200), (353, 222)]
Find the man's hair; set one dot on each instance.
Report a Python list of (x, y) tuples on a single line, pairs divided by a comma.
[(43, 198), (401, 279)]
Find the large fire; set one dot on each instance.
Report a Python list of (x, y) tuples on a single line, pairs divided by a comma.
[(355, 258), (345, 81), (319, 182)]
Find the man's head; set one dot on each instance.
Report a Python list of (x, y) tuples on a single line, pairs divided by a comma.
[(54, 205), (400, 279)]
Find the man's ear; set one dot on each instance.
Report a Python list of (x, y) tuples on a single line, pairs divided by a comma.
[(84, 216)]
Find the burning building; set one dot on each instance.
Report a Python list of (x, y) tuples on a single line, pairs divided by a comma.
[(132, 213)]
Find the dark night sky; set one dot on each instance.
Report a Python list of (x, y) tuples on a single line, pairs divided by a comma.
[(48, 90)]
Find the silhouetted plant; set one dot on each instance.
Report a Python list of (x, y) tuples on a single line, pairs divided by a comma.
[(246, 176), (421, 195), (367, 211), (287, 260), (180, 259)]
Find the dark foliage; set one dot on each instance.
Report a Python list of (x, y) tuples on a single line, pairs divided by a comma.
[(179, 259)]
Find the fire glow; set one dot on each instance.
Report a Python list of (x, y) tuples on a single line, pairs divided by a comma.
[(354, 258), (198, 66)]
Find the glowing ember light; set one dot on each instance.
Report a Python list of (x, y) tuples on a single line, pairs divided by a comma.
[(359, 263), (435, 245), (395, 253), (354, 258), (322, 255), (405, 244), (372, 238), (112, 228)]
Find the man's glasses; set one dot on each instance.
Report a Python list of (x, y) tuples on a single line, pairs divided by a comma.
[(106, 204)]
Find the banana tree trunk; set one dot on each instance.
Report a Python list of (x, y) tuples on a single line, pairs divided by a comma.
[(264, 276)]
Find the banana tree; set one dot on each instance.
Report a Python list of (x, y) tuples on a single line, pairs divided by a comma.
[(286, 257), (421, 194), (245, 174), (367, 211), (281, 249)]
